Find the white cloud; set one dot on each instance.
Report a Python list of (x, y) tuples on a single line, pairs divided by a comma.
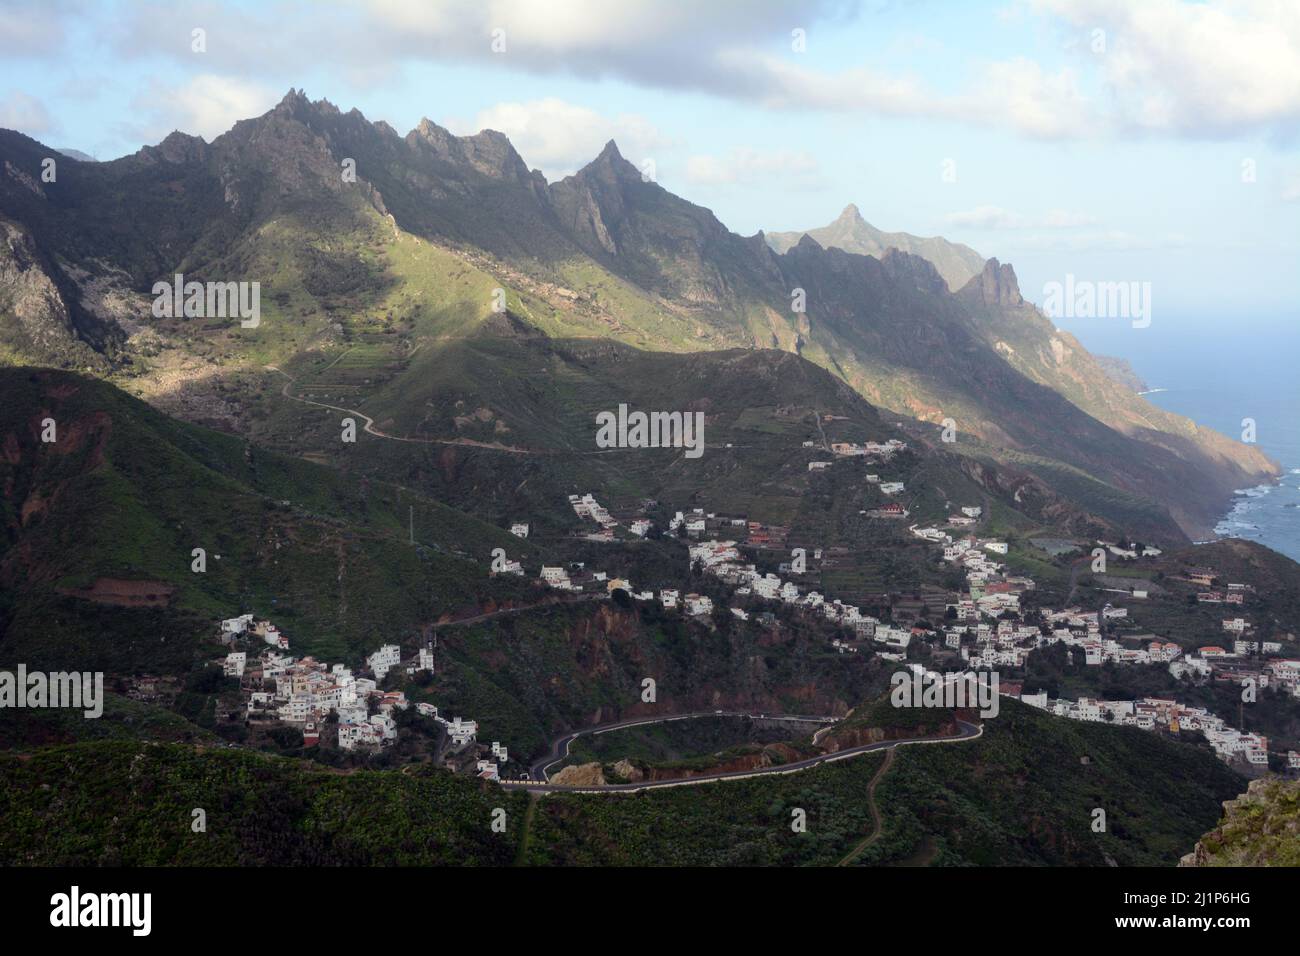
[(24, 113), (559, 137), (205, 105), (1174, 67), (709, 48), (995, 217), (1202, 69), (1021, 94), (743, 165), (33, 27)]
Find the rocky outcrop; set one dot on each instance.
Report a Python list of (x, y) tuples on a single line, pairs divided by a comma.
[(36, 322), (1259, 828), (628, 771), (580, 775), (996, 285)]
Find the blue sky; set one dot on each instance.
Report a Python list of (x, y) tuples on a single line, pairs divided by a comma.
[(1103, 138)]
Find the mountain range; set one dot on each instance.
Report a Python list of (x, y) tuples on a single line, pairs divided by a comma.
[(470, 320), (405, 258)]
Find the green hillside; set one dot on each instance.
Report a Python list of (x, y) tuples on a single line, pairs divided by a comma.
[(260, 811), (100, 524), (1022, 794)]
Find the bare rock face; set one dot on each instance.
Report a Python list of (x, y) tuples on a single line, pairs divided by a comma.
[(581, 775), (997, 284), (625, 769), (30, 295)]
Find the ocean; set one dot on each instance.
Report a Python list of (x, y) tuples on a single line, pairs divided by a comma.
[(1219, 373)]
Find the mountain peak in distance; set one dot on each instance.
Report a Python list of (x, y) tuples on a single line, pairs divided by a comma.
[(956, 263)]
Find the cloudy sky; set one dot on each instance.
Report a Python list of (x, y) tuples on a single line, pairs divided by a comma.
[(1151, 140)]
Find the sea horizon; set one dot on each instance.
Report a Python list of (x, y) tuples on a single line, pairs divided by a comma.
[(1219, 373)]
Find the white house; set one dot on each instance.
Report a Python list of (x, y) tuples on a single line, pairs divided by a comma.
[(236, 625), (698, 605), (233, 666), (384, 660), (555, 577)]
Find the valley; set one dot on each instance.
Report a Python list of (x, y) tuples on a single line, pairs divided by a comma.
[(386, 545)]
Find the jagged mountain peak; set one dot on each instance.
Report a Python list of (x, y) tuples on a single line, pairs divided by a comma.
[(296, 102), (996, 284), (850, 214), (177, 147), (808, 243), (609, 164), (956, 263)]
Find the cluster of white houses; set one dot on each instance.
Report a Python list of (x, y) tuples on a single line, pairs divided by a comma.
[(879, 451), (1157, 713), (990, 629), (1009, 642), (722, 560), (587, 506), (302, 692)]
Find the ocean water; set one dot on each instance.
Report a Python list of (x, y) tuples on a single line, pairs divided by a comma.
[(1219, 372)]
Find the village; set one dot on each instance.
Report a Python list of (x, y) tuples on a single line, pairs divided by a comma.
[(985, 627), (311, 695)]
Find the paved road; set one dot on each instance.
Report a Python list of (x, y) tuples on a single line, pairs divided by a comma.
[(560, 749), (560, 746)]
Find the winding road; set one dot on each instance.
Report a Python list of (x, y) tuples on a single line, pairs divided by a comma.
[(560, 749), (370, 429)]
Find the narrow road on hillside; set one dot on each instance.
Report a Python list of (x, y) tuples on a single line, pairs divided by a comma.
[(506, 612), (370, 428), (560, 750)]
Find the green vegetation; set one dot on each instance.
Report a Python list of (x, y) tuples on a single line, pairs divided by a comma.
[(99, 528), (1259, 828), (1023, 794), (132, 804)]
